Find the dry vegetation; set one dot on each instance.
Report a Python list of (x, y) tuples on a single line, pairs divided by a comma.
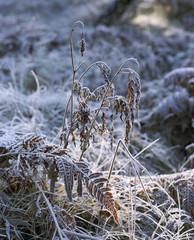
[(76, 160), (38, 196)]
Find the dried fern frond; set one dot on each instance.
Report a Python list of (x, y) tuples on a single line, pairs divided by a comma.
[(65, 169), (29, 143), (105, 71), (188, 197), (32, 152), (126, 106), (95, 185)]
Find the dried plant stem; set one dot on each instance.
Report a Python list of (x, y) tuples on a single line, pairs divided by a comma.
[(135, 168), (74, 70), (143, 150), (157, 227), (79, 65), (148, 146), (93, 64), (63, 127), (99, 87), (71, 97), (104, 97), (113, 161), (134, 164), (38, 89), (179, 216), (37, 98), (73, 67)]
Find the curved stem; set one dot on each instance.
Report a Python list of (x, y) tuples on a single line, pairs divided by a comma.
[(112, 164), (73, 67), (73, 77), (96, 89), (79, 65), (71, 42), (93, 64)]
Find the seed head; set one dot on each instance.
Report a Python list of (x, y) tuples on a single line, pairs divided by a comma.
[(82, 44)]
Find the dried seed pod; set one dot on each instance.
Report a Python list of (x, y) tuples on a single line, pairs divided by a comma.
[(131, 104), (103, 122), (126, 111), (134, 91), (129, 94), (83, 136), (73, 139), (100, 130), (105, 71), (92, 97), (116, 105), (84, 113), (85, 92), (106, 103), (111, 90), (111, 130), (77, 87), (82, 44), (98, 97)]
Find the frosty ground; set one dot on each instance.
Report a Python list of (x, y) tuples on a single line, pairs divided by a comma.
[(35, 36)]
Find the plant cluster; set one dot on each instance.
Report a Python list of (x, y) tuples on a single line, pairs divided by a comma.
[(30, 161), (84, 119), (36, 174)]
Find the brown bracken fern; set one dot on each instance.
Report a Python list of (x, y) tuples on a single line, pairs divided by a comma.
[(95, 185), (56, 160)]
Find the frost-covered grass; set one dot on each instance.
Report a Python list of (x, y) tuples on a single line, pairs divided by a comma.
[(32, 106)]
